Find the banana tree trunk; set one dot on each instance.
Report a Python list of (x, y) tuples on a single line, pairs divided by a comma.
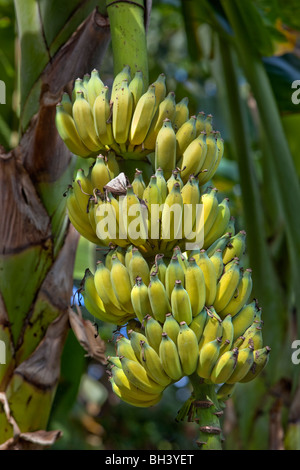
[(37, 244)]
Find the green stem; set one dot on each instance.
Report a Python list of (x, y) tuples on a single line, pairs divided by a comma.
[(128, 36), (207, 414)]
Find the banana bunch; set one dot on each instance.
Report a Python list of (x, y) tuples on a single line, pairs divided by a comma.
[(154, 216), (138, 122), (156, 354)]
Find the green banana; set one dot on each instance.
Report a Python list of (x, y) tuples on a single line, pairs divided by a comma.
[(188, 349), (140, 299), (153, 332), (165, 148), (150, 359), (171, 327), (158, 297), (170, 359), (208, 356), (195, 286), (181, 304), (224, 367), (181, 113)]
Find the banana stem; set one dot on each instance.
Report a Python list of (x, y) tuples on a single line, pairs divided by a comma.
[(128, 36), (207, 412)]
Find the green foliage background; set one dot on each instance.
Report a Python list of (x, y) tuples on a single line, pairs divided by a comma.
[(188, 41)]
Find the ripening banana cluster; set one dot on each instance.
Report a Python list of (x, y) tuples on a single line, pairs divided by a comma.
[(105, 217), (173, 278), (138, 123), (191, 314)]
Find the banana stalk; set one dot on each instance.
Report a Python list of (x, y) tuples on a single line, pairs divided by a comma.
[(204, 409), (128, 48)]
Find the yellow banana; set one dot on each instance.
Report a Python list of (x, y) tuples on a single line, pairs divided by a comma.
[(200, 122), (227, 334), (235, 247), (131, 399), (217, 260), (208, 356), (193, 157), (244, 318), (140, 300), (253, 336), (66, 103), (122, 113), (169, 357), (220, 145), (181, 113), (67, 130), (210, 159), (188, 349), (208, 125), (220, 224), (135, 218), (219, 244), (225, 391), (191, 199), (158, 297), (100, 174), (142, 117), (105, 289), (210, 277), (124, 348), (114, 361), (181, 304), (195, 286), (136, 337), (138, 183), (160, 89), (165, 148), (83, 190), (261, 359), (79, 219), (79, 86), (102, 114), (160, 267), (244, 363), (213, 328), (226, 287), (184, 136), (171, 221), (137, 87), (84, 121), (198, 323), (241, 297), (138, 376), (171, 327), (124, 74), (166, 110), (224, 367), (153, 332), (121, 284), (210, 207), (161, 183), (96, 307), (174, 178), (94, 87), (174, 272), (150, 359), (138, 267)]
